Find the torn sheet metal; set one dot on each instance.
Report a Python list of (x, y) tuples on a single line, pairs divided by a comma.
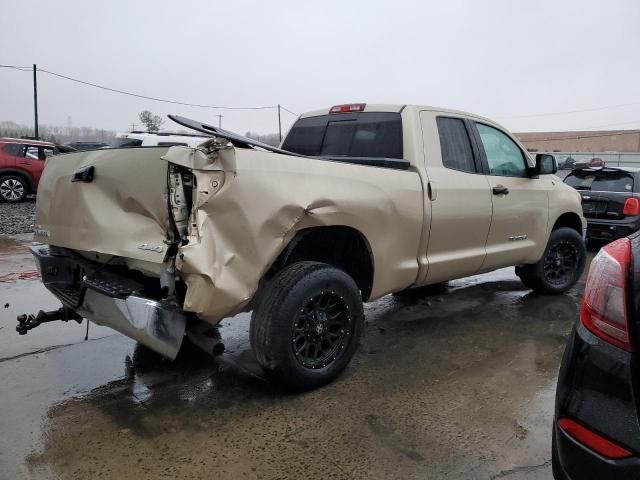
[(245, 214)]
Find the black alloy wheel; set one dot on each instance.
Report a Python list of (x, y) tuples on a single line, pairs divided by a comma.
[(560, 263), (321, 330)]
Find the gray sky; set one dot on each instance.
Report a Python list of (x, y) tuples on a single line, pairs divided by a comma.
[(499, 58)]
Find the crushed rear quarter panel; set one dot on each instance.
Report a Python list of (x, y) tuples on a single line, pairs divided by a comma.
[(249, 204)]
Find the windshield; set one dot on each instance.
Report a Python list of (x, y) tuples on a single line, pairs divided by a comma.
[(601, 181), (365, 134)]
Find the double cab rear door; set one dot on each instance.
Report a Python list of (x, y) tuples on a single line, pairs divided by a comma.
[(486, 211)]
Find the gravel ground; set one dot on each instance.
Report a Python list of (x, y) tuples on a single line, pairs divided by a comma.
[(17, 217)]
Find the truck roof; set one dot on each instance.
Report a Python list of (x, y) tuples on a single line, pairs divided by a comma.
[(397, 107)]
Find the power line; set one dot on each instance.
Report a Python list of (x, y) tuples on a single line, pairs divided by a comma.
[(137, 95), (156, 99), (615, 124), (568, 112), (576, 137), (288, 111), (17, 67), (176, 102)]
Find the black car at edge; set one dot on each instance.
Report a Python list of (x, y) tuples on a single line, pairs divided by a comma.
[(610, 200), (596, 429)]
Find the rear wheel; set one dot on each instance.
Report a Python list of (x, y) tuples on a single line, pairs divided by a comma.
[(13, 188), (561, 264), (306, 325)]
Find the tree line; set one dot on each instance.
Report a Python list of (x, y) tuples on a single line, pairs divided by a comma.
[(57, 134)]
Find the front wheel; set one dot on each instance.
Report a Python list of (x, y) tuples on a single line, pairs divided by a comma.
[(306, 325), (561, 264)]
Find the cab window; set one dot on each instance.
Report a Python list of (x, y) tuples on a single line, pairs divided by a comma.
[(455, 145), (13, 149), (37, 153), (503, 155)]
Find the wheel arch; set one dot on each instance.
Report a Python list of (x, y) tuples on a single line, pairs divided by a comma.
[(341, 246), (568, 219)]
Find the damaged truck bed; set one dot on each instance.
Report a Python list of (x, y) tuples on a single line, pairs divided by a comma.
[(160, 242)]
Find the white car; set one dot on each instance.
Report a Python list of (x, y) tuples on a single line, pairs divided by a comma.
[(153, 139)]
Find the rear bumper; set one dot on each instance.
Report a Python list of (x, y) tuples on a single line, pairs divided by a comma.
[(111, 300), (611, 229), (577, 462), (595, 389)]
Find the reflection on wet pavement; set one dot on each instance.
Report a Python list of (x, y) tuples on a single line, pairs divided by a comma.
[(457, 385)]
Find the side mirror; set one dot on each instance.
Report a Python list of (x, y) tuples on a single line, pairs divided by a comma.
[(546, 164)]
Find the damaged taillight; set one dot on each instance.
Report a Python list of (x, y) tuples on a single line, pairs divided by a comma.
[(604, 304)]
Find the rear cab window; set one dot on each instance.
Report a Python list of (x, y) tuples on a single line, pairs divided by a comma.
[(602, 181), (455, 145), (125, 142), (358, 135)]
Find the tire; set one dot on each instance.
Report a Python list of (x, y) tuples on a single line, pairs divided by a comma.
[(306, 305), (13, 188), (561, 264)]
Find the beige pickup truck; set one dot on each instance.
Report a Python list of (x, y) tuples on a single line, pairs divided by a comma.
[(358, 202)]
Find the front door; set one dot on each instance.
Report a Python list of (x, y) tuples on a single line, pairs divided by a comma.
[(518, 232)]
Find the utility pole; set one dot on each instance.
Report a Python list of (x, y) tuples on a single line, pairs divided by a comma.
[(219, 120), (35, 101), (279, 124)]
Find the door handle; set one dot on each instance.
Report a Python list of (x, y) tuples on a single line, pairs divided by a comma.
[(500, 190), (431, 191)]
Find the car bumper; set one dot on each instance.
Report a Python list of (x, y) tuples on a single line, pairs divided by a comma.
[(595, 389), (611, 229), (111, 300), (580, 463)]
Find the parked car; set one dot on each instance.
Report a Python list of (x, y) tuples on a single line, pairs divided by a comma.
[(596, 430), (569, 163), (152, 139), (610, 200), (360, 201), (21, 165), (83, 146)]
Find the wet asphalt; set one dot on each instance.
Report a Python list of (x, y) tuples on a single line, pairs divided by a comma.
[(459, 384)]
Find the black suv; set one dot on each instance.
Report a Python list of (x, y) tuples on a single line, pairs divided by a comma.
[(610, 200)]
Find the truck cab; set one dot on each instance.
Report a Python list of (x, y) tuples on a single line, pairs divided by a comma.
[(485, 204)]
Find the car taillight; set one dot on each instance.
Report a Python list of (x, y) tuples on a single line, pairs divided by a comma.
[(595, 442), (352, 107), (604, 304), (631, 206)]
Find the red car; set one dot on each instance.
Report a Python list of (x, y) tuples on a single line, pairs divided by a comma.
[(21, 165)]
